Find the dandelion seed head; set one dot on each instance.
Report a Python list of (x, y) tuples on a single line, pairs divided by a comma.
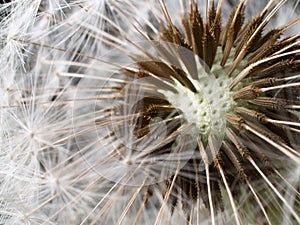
[(149, 112)]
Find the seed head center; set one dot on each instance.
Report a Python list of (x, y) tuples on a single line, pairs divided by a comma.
[(207, 107)]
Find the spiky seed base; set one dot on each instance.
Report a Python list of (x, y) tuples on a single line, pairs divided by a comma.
[(240, 97)]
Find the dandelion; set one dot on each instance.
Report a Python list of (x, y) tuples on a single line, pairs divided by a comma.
[(154, 112)]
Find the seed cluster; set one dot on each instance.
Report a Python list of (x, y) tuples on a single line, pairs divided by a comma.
[(148, 112), (236, 104)]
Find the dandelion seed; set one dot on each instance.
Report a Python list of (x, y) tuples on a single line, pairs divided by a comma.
[(159, 112)]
